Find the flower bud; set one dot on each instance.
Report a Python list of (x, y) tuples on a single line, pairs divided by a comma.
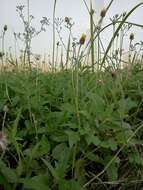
[(82, 39), (103, 13), (131, 36), (5, 28)]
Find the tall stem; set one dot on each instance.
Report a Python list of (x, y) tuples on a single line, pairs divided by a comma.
[(28, 36), (92, 36), (53, 57)]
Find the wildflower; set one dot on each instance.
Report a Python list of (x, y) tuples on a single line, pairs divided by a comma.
[(131, 36), (103, 13), (3, 141), (5, 28), (82, 39)]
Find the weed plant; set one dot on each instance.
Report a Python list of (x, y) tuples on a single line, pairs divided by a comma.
[(79, 124)]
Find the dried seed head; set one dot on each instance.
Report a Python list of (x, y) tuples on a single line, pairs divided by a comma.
[(124, 14), (116, 16), (116, 52), (1, 54), (5, 108), (67, 20), (5, 28), (103, 13), (82, 39), (131, 36), (3, 141), (58, 43)]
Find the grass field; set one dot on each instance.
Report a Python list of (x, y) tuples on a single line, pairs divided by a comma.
[(73, 123)]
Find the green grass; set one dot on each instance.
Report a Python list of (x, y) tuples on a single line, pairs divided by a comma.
[(79, 124), (48, 148)]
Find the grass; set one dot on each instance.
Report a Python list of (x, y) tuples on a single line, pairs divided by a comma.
[(52, 141), (74, 126)]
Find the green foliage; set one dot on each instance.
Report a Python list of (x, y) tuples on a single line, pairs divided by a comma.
[(48, 148)]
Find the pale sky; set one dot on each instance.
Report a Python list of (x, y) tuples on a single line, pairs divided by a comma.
[(71, 8)]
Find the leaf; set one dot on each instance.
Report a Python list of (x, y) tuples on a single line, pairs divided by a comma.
[(93, 157), (112, 170), (73, 137), (61, 153), (112, 144), (44, 145), (91, 139), (125, 105), (69, 185), (36, 183), (51, 169), (8, 173), (4, 183)]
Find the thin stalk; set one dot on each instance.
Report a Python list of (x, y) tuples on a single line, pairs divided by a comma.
[(68, 52), (56, 61), (53, 56), (3, 38), (92, 36), (28, 36), (117, 30), (107, 26)]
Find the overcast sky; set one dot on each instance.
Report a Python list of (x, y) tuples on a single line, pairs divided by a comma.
[(71, 8)]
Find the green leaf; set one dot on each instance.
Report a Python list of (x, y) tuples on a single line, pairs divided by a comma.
[(112, 170), (44, 145), (125, 105), (93, 157), (69, 185), (73, 137), (61, 153), (51, 169), (8, 173), (112, 144), (35, 183), (91, 139)]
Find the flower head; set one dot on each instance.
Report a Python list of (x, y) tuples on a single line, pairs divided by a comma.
[(103, 13), (131, 36), (82, 39), (5, 28)]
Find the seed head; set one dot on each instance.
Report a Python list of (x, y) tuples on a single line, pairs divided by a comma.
[(103, 13), (131, 36), (124, 14), (5, 108), (58, 43), (1, 54), (3, 141), (67, 20), (5, 28), (116, 52), (82, 39)]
